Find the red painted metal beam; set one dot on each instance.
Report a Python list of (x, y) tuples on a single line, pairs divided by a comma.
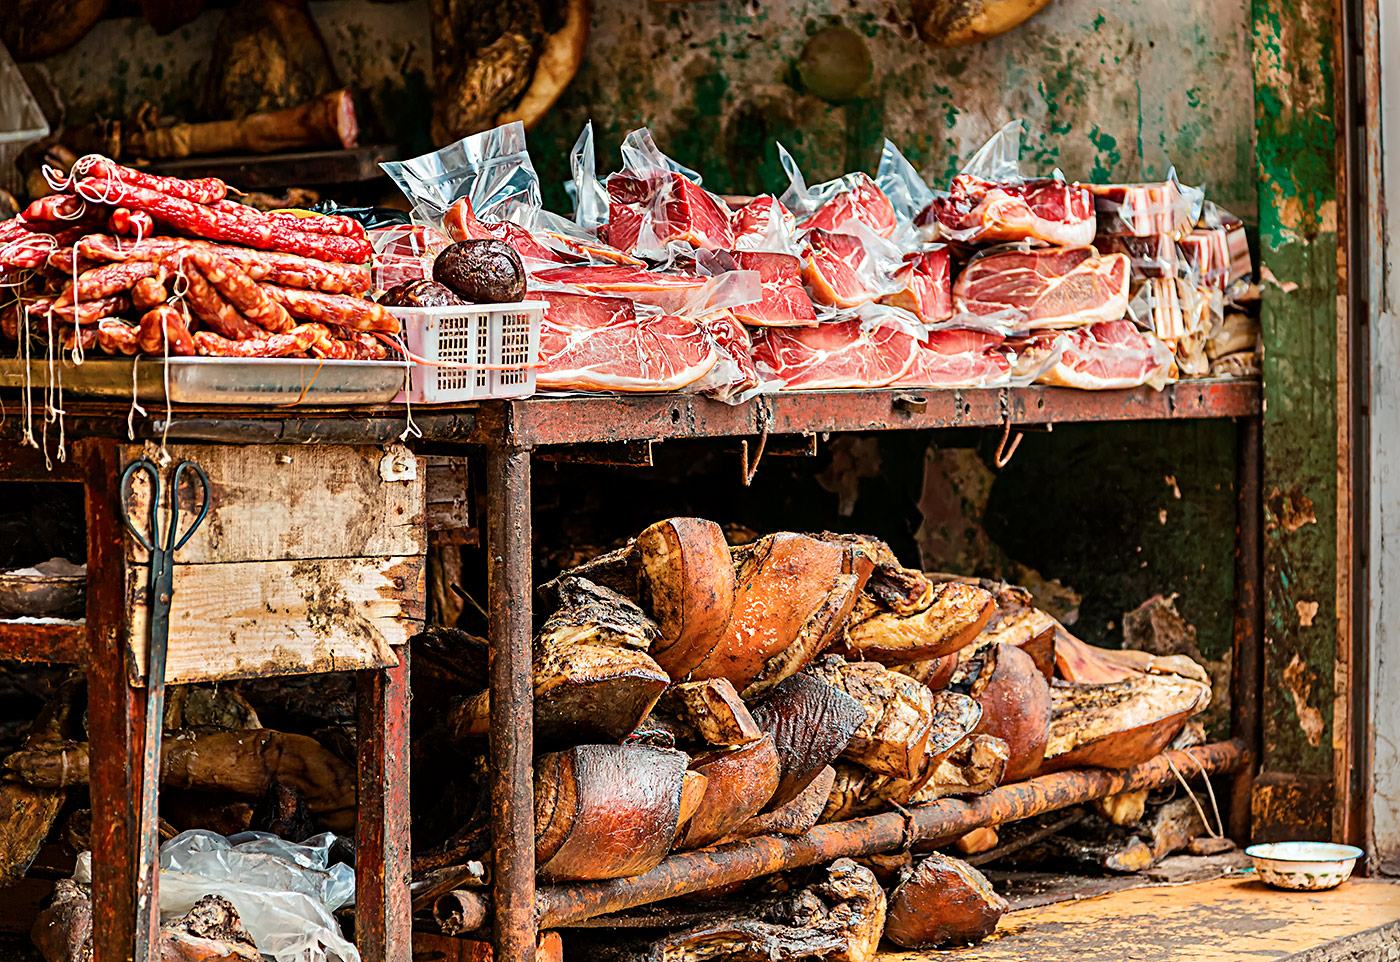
[(53, 644), (383, 914)]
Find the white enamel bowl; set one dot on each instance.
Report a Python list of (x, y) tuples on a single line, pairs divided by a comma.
[(1304, 866)]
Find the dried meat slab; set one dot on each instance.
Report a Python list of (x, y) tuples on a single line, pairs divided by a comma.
[(674, 207), (975, 210), (1119, 724), (1141, 210), (668, 291), (591, 343), (837, 355), (926, 292), (1099, 357), (785, 303), (858, 199), (811, 723), (1053, 288), (762, 223), (958, 358), (835, 269), (945, 902)]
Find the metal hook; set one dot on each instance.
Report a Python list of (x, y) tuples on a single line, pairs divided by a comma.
[(765, 423), (1004, 454)]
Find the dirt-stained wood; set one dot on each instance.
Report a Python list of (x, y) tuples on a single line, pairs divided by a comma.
[(255, 619), (293, 502)]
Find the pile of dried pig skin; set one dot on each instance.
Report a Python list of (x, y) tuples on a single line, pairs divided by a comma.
[(132, 263), (656, 284), (690, 693)]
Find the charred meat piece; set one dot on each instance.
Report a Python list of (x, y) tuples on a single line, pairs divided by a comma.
[(1015, 701), (739, 783), (792, 595), (594, 615), (794, 817), (1119, 724), (686, 579), (606, 811), (904, 628), (893, 739), (713, 710), (945, 902), (811, 723), (481, 271)]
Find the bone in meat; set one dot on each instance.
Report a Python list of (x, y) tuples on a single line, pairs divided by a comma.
[(713, 710), (686, 579), (1015, 701)]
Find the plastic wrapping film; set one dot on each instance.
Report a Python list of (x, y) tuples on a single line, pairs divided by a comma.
[(284, 892), (1142, 210), (1017, 279), (589, 196), (405, 253), (1105, 356), (655, 201), (1219, 250), (491, 169)]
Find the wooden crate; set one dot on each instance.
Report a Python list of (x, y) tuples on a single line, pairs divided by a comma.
[(311, 560)]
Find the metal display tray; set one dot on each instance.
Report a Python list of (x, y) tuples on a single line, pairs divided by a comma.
[(215, 380)]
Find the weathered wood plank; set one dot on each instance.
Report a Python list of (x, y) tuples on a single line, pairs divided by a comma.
[(1306, 445), (286, 502), (261, 618)]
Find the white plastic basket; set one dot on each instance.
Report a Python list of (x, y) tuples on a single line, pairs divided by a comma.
[(493, 334)]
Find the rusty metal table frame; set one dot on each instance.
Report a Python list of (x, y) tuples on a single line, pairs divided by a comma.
[(509, 433)]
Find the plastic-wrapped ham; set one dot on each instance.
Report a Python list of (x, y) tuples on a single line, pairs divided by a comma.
[(1052, 287), (958, 358), (649, 209), (837, 270), (926, 285), (1141, 210), (669, 292), (593, 343), (1098, 357), (461, 224), (784, 303), (837, 355), (734, 378), (857, 198), (763, 224), (1048, 210)]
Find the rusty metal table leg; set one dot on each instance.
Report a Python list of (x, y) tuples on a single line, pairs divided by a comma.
[(116, 718), (1246, 679), (383, 913), (512, 704)]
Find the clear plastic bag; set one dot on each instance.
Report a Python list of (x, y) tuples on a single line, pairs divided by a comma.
[(999, 159), (1142, 210), (902, 184), (590, 199), (491, 169), (654, 202), (852, 196), (405, 253)]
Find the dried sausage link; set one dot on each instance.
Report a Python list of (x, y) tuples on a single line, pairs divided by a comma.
[(54, 207), (200, 190), (163, 329), (240, 291), (115, 336), (148, 292), (86, 312), (354, 313), (219, 225), (288, 270), (296, 341), (211, 308), (107, 280), (314, 223)]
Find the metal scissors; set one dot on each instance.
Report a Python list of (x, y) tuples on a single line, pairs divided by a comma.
[(160, 587)]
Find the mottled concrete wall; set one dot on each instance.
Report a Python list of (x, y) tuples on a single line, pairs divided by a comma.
[(1109, 90)]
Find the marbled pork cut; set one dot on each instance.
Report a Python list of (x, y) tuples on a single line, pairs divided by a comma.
[(784, 303), (757, 221), (736, 363), (670, 292), (1054, 288), (957, 358), (680, 210), (833, 266), (1113, 354), (1050, 211), (836, 355), (592, 343), (861, 199), (927, 290)]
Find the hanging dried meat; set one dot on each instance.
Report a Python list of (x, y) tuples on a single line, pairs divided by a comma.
[(811, 723), (901, 617), (1119, 724), (945, 902), (739, 782)]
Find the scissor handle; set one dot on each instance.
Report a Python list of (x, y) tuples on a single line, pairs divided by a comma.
[(148, 466), (175, 504)]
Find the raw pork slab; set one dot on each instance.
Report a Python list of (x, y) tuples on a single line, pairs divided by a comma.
[(592, 343), (836, 355), (833, 266), (784, 303), (957, 358), (860, 199), (1050, 211), (927, 290), (670, 292), (680, 210), (1100, 357), (1052, 287), (461, 223)]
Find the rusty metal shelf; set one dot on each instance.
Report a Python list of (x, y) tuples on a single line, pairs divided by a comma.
[(43, 642), (545, 421)]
